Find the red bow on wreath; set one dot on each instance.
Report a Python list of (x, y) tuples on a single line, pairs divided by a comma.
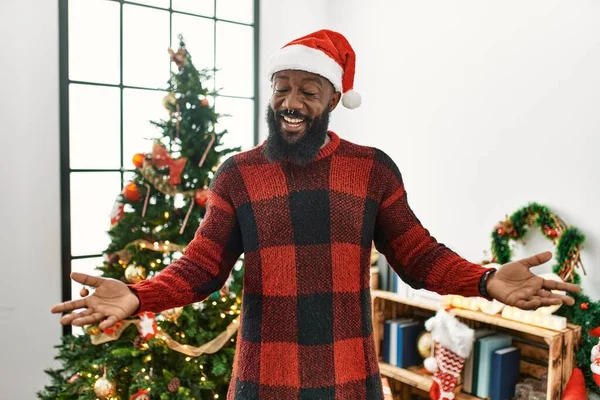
[(161, 158)]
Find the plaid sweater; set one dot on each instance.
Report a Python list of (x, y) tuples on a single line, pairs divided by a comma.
[(306, 233)]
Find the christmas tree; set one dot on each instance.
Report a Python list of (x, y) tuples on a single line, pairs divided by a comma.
[(183, 353)]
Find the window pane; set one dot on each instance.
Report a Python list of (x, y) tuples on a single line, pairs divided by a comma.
[(201, 7), (94, 126), (240, 123), (199, 36), (235, 59), (139, 108), (87, 266), (94, 41), (145, 44), (92, 197), (155, 3), (236, 10)]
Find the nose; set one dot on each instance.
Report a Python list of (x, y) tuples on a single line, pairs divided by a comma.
[(292, 101)]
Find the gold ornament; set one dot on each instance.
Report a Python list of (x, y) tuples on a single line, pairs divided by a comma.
[(92, 330), (169, 102), (172, 314), (104, 388), (135, 273), (424, 344)]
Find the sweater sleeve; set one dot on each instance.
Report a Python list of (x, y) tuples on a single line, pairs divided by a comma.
[(208, 258), (412, 252)]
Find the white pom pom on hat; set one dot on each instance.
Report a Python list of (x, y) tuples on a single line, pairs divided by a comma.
[(326, 53)]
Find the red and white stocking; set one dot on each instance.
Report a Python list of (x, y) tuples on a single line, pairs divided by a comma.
[(453, 344), (449, 366)]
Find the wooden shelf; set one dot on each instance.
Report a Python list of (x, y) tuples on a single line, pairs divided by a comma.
[(546, 351), (416, 379)]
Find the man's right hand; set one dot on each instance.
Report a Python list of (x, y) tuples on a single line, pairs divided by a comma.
[(111, 302)]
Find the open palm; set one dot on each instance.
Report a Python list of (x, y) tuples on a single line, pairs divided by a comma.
[(515, 285), (111, 302)]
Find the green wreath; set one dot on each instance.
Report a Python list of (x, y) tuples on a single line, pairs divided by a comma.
[(568, 241)]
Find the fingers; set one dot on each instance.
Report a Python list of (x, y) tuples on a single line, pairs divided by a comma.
[(85, 279), (67, 319), (555, 285), (90, 319), (531, 304), (108, 322), (538, 259), (68, 306)]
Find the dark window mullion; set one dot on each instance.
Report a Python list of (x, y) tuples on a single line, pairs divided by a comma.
[(115, 85), (82, 257), (121, 93)]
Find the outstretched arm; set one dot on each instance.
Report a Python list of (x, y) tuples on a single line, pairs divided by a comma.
[(422, 262)]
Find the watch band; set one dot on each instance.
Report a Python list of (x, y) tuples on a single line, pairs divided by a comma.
[(483, 283)]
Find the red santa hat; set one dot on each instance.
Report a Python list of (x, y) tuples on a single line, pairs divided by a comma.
[(326, 53)]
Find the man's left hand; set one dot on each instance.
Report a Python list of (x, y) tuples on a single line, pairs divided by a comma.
[(513, 284)]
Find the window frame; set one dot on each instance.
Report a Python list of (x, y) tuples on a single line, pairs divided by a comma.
[(65, 168)]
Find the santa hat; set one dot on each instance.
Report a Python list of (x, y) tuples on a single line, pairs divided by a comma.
[(326, 53)]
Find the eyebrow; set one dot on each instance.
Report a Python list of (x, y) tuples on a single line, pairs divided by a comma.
[(315, 79)]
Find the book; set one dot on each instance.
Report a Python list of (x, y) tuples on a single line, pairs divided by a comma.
[(390, 340), (487, 346), (505, 373), (470, 365), (408, 332)]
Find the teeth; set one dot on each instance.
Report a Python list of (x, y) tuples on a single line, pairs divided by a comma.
[(292, 120)]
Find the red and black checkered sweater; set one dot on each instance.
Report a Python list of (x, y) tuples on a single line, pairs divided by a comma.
[(306, 233)]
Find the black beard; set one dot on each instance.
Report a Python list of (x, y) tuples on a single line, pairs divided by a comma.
[(306, 148)]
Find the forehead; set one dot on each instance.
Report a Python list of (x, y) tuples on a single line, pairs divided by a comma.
[(300, 77)]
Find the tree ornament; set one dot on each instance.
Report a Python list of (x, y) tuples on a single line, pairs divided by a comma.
[(135, 273), (92, 330), (173, 385), (84, 292), (172, 314), (138, 160), (117, 212), (74, 378), (453, 344), (201, 197), (204, 102), (132, 193), (161, 159), (147, 325), (138, 342), (424, 344), (104, 388), (141, 394), (584, 306), (179, 58), (169, 102)]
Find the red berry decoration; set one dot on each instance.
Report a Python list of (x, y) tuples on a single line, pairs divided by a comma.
[(132, 192), (204, 102), (201, 197), (138, 160), (584, 306)]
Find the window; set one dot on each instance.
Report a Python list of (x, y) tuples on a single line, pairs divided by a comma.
[(114, 72)]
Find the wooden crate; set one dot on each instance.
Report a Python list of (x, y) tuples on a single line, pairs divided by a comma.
[(543, 350)]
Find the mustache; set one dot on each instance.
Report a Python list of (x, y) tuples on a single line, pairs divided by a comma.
[(293, 114)]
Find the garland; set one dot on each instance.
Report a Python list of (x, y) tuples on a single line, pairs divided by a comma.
[(568, 241)]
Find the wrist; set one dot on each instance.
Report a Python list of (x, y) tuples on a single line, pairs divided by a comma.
[(484, 283)]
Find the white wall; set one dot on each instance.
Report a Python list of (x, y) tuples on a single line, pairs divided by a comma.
[(485, 106), (30, 212), (280, 22)]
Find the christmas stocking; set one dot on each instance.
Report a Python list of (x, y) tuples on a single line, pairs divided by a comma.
[(453, 344)]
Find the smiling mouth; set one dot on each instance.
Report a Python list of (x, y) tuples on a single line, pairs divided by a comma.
[(293, 125)]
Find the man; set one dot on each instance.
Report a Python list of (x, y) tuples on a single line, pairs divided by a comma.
[(304, 208)]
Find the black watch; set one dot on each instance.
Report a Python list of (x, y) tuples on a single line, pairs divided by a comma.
[(483, 283)]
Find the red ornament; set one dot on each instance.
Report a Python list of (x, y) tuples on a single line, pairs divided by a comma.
[(161, 158), (204, 102), (551, 232), (584, 306), (132, 193), (141, 394), (138, 160), (501, 231), (201, 197), (595, 332)]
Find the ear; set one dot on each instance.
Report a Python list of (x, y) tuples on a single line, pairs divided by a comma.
[(334, 100)]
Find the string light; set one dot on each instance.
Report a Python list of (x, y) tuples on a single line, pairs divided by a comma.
[(152, 264), (203, 379), (147, 377), (143, 245), (167, 242), (188, 359), (222, 315), (231, 313), (143, 369), (214, 303), (234, 307), (148, 358), (223, 299), (216, 396), (182, 335), (202, 367), (167, 215)]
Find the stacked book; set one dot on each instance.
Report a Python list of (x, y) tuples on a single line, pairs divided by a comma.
[(400, 342), (492, 370)]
